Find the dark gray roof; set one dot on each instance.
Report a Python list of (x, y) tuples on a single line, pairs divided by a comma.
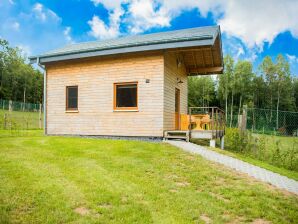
[(201, 36)]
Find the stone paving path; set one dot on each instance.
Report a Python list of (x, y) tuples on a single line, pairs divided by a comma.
[(254, 171)]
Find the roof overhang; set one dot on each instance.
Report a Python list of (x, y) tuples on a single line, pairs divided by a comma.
[(203, 60), (94, 53), (202, 54)]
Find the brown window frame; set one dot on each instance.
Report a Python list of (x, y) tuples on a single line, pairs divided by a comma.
[(115, 95), (66, 107)]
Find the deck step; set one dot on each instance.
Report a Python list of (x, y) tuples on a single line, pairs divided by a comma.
[(176, 136), (183, 135)]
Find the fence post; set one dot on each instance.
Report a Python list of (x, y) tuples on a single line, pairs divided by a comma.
[(5, 120), (240, 121), (10, 105), (244, 117), (40, 115)]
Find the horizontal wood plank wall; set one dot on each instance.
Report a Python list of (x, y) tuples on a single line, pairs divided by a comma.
[(95, 79), (172, 72)]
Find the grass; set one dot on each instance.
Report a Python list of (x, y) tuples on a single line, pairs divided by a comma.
[(279, 151), (80, 180), (19, 120), (247, 158), (285, 143), (253, 160)]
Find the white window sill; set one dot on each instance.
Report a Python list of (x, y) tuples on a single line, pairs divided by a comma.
[(126, 110), (71, 111)]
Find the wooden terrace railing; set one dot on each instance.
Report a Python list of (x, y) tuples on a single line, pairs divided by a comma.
[(205, 118)]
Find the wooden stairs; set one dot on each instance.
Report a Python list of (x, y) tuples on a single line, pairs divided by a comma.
[(177, 134)]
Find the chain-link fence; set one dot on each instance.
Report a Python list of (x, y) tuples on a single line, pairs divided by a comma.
[(16, 116), (266, 121), (272, 121)]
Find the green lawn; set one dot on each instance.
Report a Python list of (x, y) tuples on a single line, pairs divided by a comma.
[(80, 180), (19, 120)]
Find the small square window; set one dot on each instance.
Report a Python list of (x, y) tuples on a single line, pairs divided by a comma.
[(126, 96), (72, 98)]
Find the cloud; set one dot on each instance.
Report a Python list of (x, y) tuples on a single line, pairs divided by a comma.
[(16, 26), (100, 30), (254, 22), (110, 4), (26, 50), (146, 14), (43, 14), (292, 58), (41, 28), (67, 35), (237, 49)]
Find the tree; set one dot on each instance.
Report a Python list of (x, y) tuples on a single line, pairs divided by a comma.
[(19, 81), (267, 69), (225, 80), (201, 91), (283, 86), (295, 92), (243, 82)]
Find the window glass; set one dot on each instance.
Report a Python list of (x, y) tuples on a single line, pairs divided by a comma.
[(126, 95), (72, 97)]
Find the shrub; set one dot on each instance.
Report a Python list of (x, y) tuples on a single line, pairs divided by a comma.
[(236, 140), (263, 147)]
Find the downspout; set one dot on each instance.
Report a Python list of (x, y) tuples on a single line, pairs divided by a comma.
[(44, 95)]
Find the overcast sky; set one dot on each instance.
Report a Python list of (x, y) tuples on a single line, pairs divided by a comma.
[(251, 28)]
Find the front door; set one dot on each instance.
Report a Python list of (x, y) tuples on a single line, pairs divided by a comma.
[(177, 109)]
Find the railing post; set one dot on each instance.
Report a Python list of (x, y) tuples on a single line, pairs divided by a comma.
[(216, 121)]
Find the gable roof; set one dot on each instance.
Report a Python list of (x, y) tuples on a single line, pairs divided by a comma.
[(194, 37)]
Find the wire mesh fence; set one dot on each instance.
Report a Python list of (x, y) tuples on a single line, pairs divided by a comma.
[(274, 122), (266, 121), (17, 116)]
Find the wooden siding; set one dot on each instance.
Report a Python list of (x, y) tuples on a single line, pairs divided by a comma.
[(171, 73), (95, 79)]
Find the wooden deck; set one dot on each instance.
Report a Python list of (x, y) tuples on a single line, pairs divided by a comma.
[(194, 134), (200, 123)]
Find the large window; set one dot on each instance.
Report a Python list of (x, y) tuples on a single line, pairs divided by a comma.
[(71, 98), (126, 96)]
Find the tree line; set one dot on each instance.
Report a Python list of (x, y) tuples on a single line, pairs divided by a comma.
[(272, 86), (19, 81)]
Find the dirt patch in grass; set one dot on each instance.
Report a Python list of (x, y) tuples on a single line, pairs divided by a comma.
[(82, 211), (205, 218), (105, 206), (182, 184), (124, 199), (261, 221), (172, 177), (191, 157), (219, 197)]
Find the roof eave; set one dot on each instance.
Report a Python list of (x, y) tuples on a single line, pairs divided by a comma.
[(53, 58)]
